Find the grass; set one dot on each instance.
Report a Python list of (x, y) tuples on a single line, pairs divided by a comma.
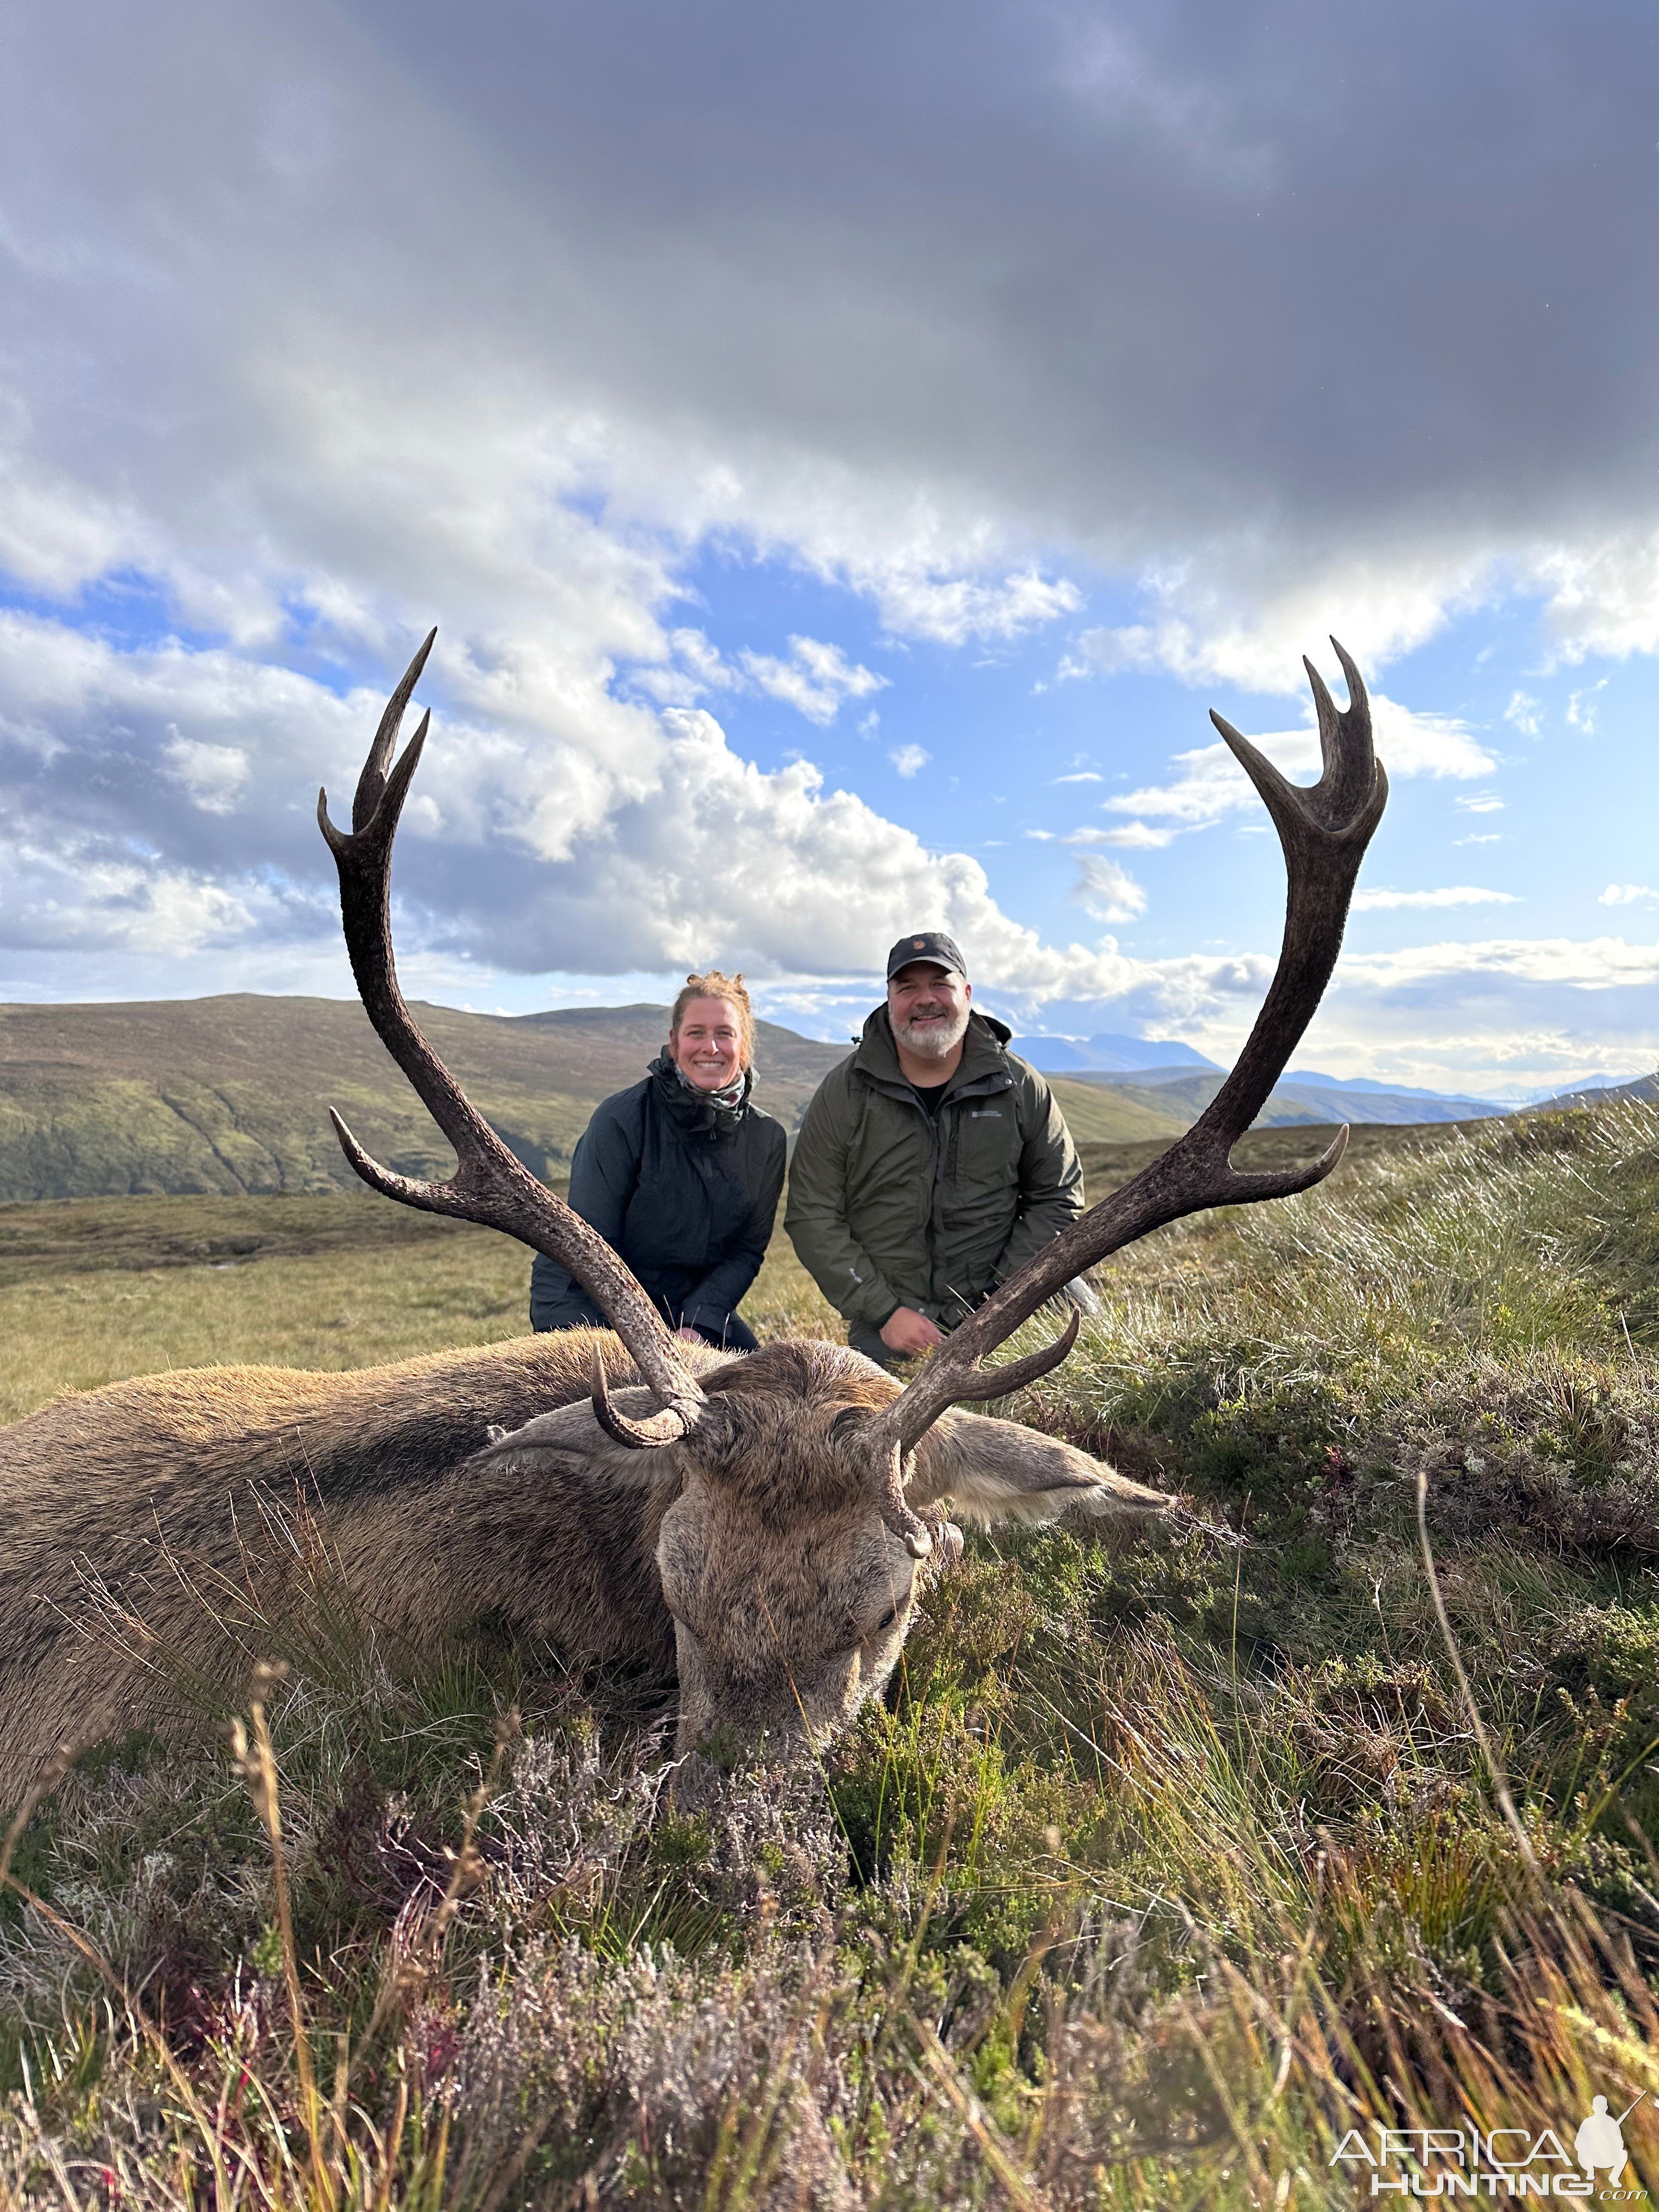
[(94, 1290), (1168, 1866)]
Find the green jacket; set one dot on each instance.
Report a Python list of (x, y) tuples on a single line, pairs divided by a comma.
[(887, 1209)]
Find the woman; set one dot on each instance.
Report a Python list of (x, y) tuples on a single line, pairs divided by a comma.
[(681, 1174)]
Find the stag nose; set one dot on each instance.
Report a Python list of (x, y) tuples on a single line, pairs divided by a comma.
[(702, 1770)]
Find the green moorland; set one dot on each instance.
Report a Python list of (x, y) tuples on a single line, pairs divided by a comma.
[(1169, 1864)]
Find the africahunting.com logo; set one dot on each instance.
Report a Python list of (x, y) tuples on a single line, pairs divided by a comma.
[(1454, 2162)]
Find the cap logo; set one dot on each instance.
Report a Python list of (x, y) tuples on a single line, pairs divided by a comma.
[(918, 942)]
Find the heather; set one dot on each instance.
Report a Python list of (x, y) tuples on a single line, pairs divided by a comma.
[(1169, 1863)]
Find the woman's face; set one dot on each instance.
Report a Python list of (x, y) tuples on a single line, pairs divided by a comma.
[(708, 1046)]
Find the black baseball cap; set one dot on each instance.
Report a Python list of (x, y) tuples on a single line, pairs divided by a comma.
[(927, 945)]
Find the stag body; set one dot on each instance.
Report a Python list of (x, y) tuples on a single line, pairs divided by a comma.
[(755, 1524), (752, 1563)]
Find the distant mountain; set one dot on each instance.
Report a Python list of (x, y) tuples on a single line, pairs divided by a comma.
[(1180, 1090), (1599, 1094), (1365, 1101), (1307, 1077), (1106, 1054), (1154, 1078), (231, 1094)]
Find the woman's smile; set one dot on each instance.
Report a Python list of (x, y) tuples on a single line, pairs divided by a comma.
[(708, 1046)]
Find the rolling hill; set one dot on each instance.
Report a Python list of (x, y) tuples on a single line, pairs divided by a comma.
[(231, 1095)]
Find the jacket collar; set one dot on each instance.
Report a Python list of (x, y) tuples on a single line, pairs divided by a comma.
[(983, 1051), (695, 1109)]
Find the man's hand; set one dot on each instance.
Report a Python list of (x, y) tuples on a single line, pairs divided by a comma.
[(689, 1335), (906, 1331)]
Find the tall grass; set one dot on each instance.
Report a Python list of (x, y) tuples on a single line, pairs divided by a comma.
[(1170, 1872)]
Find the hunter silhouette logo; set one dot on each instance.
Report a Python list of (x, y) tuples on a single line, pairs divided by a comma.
[(1600, 2140), (1456, 2162)]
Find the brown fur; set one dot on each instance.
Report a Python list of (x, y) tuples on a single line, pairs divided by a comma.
[(144, 1499)]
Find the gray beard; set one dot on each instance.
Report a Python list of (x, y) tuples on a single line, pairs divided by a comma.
[(932, 1043)]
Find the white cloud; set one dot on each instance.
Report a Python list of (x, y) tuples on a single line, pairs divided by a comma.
[(212, 775), (1480, 837), (1082, 775), (1223, 616), (1107, 891), (1602, 593), (909, 760), (1581, 707), (1373, 901), (1600, 963), (1131, 836), (691, 668), (1483, 802), (1525, 713), (1628, 895), (1212, 783), (816, 679), (953, 610), (519, 853)]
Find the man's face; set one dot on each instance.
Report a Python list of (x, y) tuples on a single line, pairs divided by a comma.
[(929, 1005)]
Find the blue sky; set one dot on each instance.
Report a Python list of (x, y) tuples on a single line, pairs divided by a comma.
[(845, 458)]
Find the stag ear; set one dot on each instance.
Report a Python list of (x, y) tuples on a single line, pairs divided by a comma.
[(572, 1436), (993, 1471)]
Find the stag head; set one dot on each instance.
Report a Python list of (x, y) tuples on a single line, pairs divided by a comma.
[(799, 1495), (790, 1592)]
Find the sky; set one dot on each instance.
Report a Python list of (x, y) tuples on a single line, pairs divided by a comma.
[(846, 453)]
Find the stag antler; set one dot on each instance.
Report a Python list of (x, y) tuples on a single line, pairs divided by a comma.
[(1324, 830), (489, 1185)]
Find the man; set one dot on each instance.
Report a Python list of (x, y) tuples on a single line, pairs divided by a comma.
[(930, 1164)]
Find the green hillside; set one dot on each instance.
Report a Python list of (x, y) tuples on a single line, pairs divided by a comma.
[(1180, 1101), (230, 1096), (1103, 1114)]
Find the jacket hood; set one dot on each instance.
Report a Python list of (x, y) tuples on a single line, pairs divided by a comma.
[(983, 1049)]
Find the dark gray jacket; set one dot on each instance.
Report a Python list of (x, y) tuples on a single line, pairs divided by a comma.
[(888, 1207), (685, 1190)]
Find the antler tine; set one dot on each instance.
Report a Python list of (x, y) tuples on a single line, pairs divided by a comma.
[(1324, 830), (490, 1185), (663, 1428), (372, 782), (1015, 1374)]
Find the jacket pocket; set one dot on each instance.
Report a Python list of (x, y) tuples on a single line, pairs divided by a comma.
[(983, 1148)]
